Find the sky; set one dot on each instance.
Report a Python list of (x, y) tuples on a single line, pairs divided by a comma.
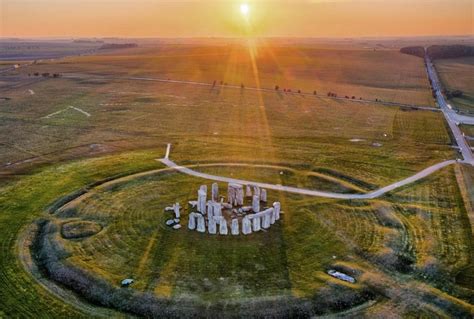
[(223, 18)]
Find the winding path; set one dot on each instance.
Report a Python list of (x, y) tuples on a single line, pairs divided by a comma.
[(304, 191)]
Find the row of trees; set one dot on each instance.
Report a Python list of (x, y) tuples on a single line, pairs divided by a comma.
[(440, 51), (277, 88), (45, 74)]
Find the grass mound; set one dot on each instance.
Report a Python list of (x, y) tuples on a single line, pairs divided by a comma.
[(79, 229)]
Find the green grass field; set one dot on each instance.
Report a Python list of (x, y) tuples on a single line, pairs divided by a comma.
[(374, 238), (411, 250), (267, 128)]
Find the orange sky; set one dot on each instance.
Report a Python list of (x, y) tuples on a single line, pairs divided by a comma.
[(198, 18)]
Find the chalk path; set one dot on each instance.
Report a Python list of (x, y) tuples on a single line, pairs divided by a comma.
[(303, 191)]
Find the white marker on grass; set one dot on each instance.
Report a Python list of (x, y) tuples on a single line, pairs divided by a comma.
[(168, 149)]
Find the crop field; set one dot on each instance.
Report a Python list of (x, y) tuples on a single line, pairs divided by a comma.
[(457, 74), (83, 196)]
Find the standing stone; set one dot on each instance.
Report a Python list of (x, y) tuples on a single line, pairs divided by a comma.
[(276, 210), (202, 201), (201, 224), (240, 196), (223, 227), (235, 194), (217, 209), (215, 192), (263, 195), (272, 216), (235, 227), (248, 191), (256, 203), (256, 190), (203, 188), (256, 223), (212, 226), (192, 221), (246, 226), (210, 210), (267, 218), (176, 208)]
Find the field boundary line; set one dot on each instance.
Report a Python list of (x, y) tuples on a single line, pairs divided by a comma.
[(231, 86)]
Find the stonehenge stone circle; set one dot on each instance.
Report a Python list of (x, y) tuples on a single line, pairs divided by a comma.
[(215, 216)]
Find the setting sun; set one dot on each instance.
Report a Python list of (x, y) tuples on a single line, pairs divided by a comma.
[(244, 9)]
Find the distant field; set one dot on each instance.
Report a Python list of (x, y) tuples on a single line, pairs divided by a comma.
[(383, 74), (376, 144), (21, 50), (458, 74)]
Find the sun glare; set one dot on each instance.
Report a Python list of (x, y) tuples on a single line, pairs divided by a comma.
[(244, 9)]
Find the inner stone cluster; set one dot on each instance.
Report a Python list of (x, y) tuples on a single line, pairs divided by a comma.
[(218, 214)]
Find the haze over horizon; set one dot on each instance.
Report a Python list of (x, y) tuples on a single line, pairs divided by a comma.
[(212, 18)]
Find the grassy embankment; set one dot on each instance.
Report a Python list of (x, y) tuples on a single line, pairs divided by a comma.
[(25, 200)]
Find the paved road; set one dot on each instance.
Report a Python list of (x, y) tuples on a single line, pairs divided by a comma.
[(304, 191), (451, 116), (464, 119), (205, 84)]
